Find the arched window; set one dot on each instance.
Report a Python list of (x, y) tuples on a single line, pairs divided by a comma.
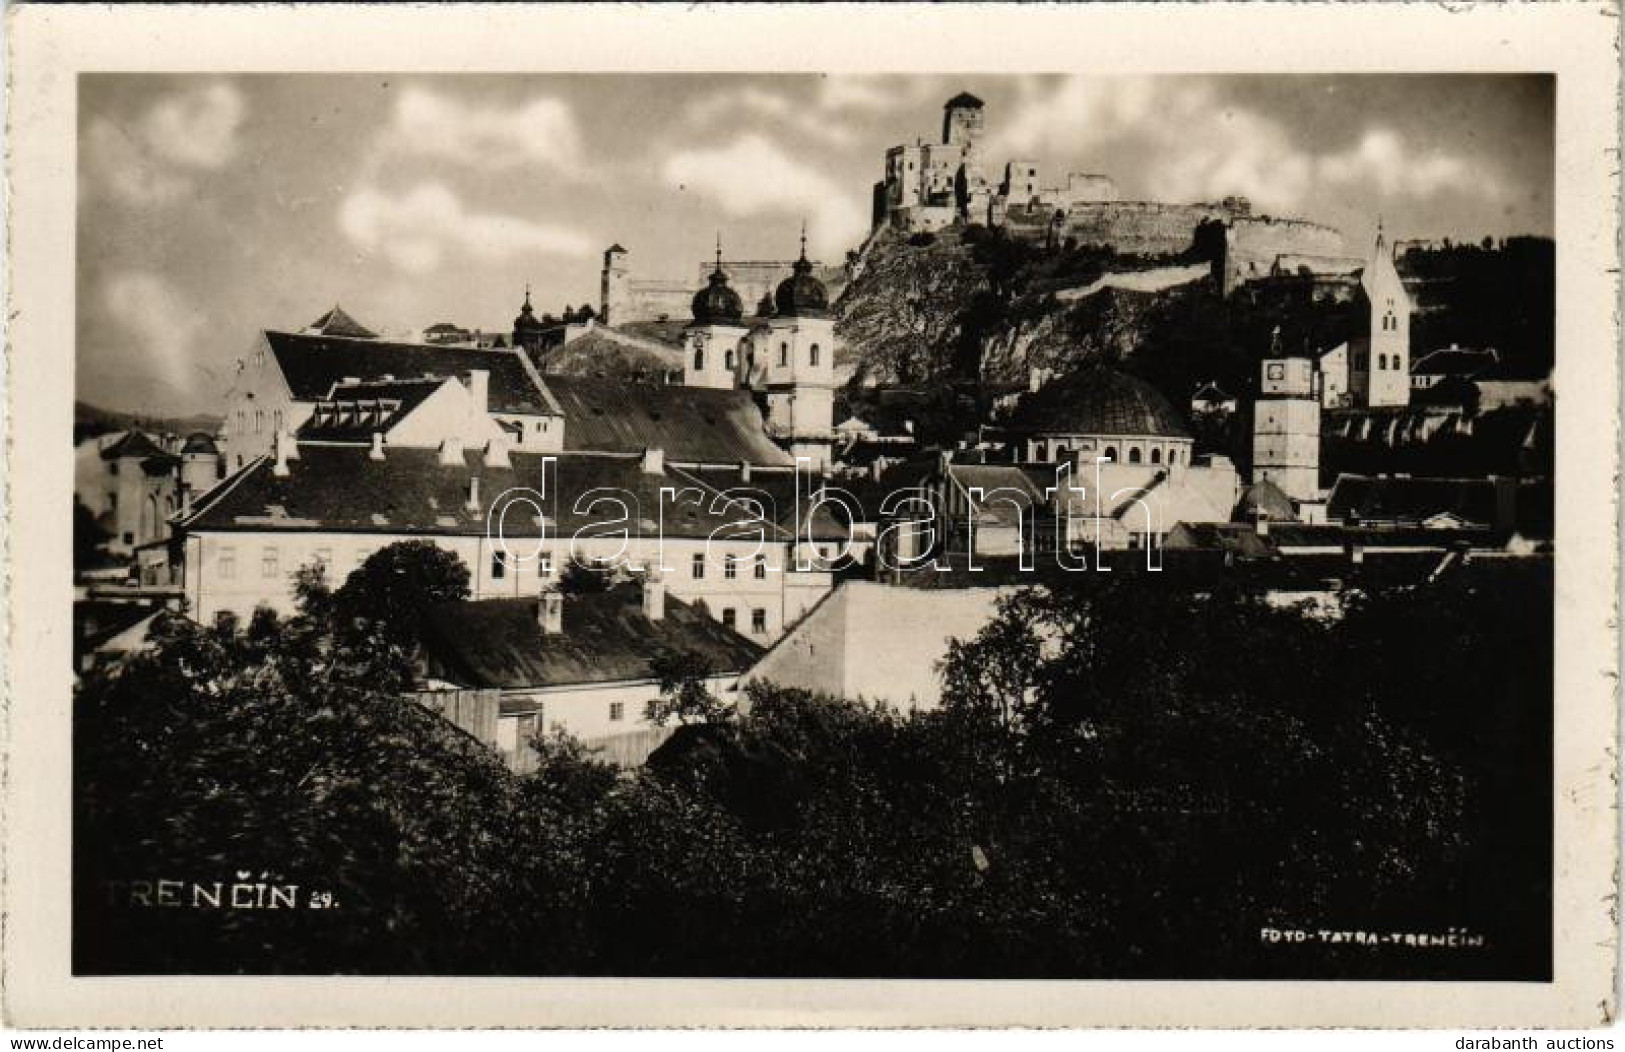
[(728, 359), (1133, 454), (1156, 456), (1110, 454), (699, 358), (812, 355), (784, 354)]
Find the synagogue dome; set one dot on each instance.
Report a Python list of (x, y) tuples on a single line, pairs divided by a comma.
[(1099, 402)]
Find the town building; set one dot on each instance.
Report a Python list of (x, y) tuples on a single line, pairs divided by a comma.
[(511, 670), (132, 482), (1286, 427)]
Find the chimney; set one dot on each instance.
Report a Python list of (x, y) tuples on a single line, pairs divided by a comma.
[(1506, 503), (654, 461), (654, 596), (496, 453), (279, 448), (744, 471), (451, 451), (473, 503), (479, 389), (377, 452), (550, 613)]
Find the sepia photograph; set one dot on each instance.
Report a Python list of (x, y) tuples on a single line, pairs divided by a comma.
[(711, 524)]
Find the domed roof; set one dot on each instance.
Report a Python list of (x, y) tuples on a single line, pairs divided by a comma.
[(1264, 500), (1099, 402), (527, 320), (199, 444), (801, 295), (717, 304)]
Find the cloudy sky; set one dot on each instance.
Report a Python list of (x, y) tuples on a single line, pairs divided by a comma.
[(211, 208)]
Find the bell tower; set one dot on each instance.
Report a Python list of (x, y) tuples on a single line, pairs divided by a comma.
[(713, 343), (800, 366), (1388, 365)]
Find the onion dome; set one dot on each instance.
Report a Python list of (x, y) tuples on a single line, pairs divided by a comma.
[(717, 304), (527, 320), (1099, 402), (801, 295)]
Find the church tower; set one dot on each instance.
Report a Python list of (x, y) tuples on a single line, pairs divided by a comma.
[(1388, 363), (527, 328), (800, 367), (713, 343), (1286, 425)]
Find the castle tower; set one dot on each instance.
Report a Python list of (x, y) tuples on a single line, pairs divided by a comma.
[(615, 298), (1286, 426), (800, 367), (1387, 379), (962, 132), (713, 342)]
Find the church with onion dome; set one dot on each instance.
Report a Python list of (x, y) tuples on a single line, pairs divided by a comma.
[(785, 352)]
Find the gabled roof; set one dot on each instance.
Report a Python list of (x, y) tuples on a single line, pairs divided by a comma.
[(1362, 498), (312, 365), (1454, 361), (132, 444), (1211, 392), (352, 412), (692, 425), (338, 323), (340, 488), (1264, 499), (605, 638), (1008, 492)]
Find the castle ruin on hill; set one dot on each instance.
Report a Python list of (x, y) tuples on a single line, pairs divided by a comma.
[(931, 185)]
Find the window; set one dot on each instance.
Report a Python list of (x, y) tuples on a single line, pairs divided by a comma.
[(278, 418), (784, 354), (617, 711), (270, 559), (728, 360), (499, 565), (697, 566), (812, 355), (730, 568), (528, 727), (226, 560), (699, 358), (1110, 454), (1134, 454), (1156, 456), (259, 421), (758, 621), (242, 422), (728, 617), (761, 567)]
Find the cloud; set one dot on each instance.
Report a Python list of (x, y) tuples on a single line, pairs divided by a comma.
[(156, 159), (196, 129), (753, 175), (1195, 145), (165, 326), (416, 229), (825, 116), (540, 132)]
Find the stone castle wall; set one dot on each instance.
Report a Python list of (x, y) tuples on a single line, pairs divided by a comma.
[(1145, 228), (1254, 243)]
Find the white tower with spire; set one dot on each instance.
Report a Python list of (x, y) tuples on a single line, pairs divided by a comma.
[(1387, 379), (800, 366), (713, 343)]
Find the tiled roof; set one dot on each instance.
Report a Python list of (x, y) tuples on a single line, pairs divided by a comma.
[(337, 322), (1363, 498), (692, 425), (1264, 499), (355, 411), (1099, 402), (312, 365), (1454, 361), (341, 488), (133, 444), (605, 638), (776, 491)]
